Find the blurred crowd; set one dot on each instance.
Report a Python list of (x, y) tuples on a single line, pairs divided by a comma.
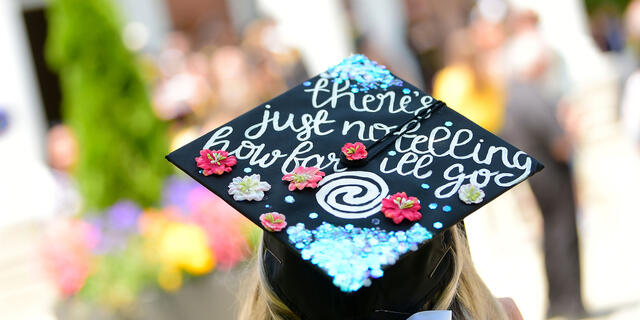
[(487, 59)]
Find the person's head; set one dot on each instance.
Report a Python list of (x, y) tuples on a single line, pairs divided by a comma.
[(369, 229), (459, 288)]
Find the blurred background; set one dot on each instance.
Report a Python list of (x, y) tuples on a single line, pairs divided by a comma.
[(95, 224)]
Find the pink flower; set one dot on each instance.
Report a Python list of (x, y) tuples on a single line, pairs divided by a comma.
[(215, 161), (354, 151), (67, 253), (273, 221), (399, 207), (303, 177), (226, 229)]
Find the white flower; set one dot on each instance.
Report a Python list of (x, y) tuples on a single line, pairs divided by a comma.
[(248, 188), (471, 193)]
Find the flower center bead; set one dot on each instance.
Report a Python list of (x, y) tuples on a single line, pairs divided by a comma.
[(248, 185), (403, 203), (216, 158), (301, 177), (473, 194)]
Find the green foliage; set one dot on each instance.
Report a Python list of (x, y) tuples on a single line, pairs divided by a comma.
[(617, 6), (107, 103), (119, 277)]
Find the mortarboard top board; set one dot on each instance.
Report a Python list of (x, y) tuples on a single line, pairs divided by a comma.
[(339, 254)]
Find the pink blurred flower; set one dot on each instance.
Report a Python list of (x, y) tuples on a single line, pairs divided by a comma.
[(67, 253), (273, 221), (354, 151), (303, 177), (224, 227), (215, 161), (399, 206)]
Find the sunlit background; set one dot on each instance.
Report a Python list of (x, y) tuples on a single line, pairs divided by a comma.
[(95, 224)]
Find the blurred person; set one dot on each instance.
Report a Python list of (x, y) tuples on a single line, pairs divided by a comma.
[(382, 26), (203, 21), (630, 107), (607, 29), (62, 155), (231, 78), (62, 148), (429, 26), (185, 91), (532, 124), (265, 46), (469, 83)]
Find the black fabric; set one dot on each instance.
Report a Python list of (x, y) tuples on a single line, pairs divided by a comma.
[(290, 108), (403, 290)]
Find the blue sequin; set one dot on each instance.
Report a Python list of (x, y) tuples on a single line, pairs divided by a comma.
[(391, 153), (247, 170), (425, 186), (433, 206), (354, 90), (289, 199), (446, 208), (201, 171), (353, 256), (375, 221), (362, 73), (437, 225), (406, 91), (448, 123), (313, 215), (306, 83)]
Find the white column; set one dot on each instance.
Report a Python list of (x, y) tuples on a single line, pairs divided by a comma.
[(25, 183)]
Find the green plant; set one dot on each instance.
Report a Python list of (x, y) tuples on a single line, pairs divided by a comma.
[(107, 104), (617, 6)]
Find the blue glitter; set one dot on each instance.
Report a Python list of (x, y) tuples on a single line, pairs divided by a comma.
[(448, 123), (247, 170), (425, 186), (446, 208), (353, 256), (377, 273), (313, 215), (289, 199), (375, 221), (306, 83), (267, 206), (362, 73), (433, 205), (200, 171), (354, 90), (437, 225), (391, 153), (406, 91)]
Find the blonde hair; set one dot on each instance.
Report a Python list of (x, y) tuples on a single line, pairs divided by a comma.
[(465, 294)]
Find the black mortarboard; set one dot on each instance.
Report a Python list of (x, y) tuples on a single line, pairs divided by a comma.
[(367, 172)]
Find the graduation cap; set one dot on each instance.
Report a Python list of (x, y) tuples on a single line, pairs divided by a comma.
[(355, 176)]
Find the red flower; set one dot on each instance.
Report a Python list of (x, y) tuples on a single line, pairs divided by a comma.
[(273, 221), (399, 207), (303, 177), (215, 161), (354, 151)]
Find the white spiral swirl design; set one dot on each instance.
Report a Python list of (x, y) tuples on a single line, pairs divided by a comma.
[(352, 194)]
